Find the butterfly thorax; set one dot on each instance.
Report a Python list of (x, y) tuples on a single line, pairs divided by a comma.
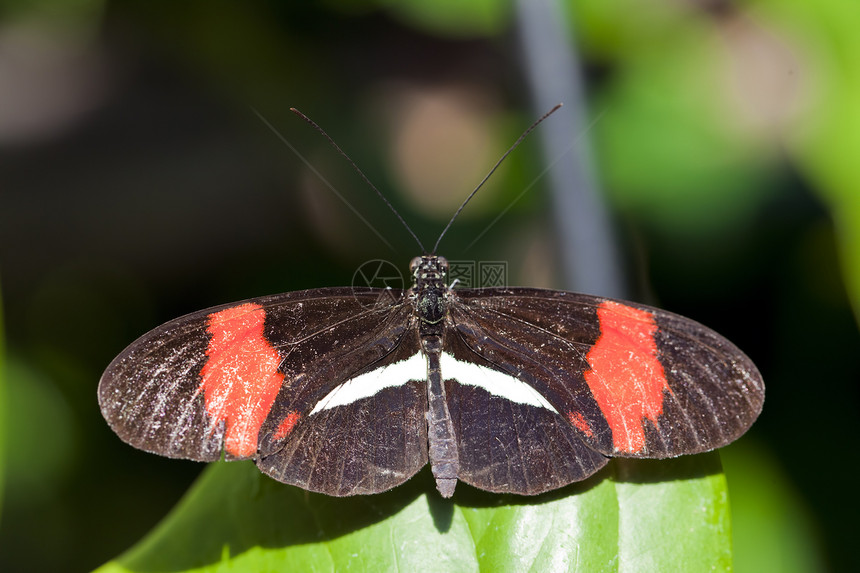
[(429, 292)]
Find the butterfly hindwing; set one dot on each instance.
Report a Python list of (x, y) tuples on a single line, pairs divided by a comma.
[(510, 438), (365, 432)]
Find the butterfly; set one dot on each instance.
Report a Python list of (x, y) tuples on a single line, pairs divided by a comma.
[(349, 391)]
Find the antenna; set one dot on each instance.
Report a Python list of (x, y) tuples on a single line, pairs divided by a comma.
[(363, 176), (496, 166)]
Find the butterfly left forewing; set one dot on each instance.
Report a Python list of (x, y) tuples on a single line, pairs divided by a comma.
[(208, 381)]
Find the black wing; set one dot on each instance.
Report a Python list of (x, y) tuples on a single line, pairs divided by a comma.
[(622, 379), (244, 376)]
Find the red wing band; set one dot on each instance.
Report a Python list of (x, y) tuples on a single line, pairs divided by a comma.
[(240, 379), (626, 377)]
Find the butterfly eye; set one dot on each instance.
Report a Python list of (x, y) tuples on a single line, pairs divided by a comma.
[(443, 264), (414, 264)]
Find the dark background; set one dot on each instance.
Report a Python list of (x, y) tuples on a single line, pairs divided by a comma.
[(138, 183)]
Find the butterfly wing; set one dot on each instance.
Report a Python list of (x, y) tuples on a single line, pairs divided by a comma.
[(510, 438), (353, 421), (244, 377), (590, 378)]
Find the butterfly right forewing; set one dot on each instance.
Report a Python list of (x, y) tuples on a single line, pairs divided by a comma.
[(632, 380)]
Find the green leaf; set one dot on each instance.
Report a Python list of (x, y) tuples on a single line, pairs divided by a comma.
[(633, 516)]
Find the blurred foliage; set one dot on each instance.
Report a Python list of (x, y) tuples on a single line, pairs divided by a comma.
[(452, 17), (826, 144), (726, 140), (771, 526), (4, 424), (36, 479)]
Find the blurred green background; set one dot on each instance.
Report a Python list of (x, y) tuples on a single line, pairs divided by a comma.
[(137, 183)]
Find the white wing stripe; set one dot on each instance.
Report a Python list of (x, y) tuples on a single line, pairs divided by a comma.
[(495, 382), (370, 383), (415, 368)]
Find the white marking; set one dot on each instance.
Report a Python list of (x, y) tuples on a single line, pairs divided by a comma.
[(415, 368), (367, 384), (493, 381)]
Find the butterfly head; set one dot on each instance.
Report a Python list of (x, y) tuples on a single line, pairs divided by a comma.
[(429, 270)]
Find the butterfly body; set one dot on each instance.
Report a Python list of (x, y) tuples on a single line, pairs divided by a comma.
[(430, 297)]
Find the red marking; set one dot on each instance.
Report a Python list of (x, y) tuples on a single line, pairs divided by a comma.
[(626, 378), (580, 423), (240, 377), (285, 427)]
